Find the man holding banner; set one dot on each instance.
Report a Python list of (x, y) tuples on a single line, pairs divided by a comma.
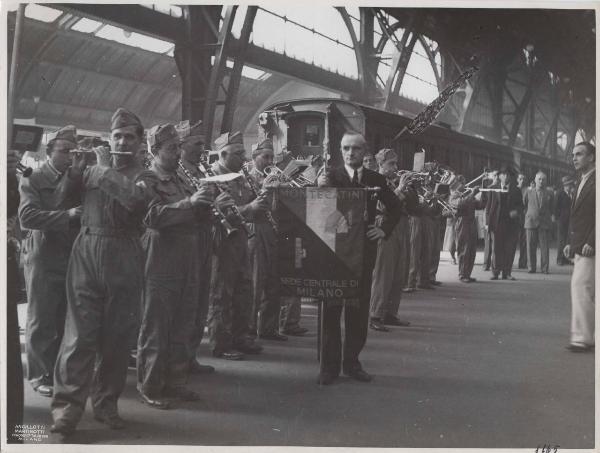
[(353, 174)]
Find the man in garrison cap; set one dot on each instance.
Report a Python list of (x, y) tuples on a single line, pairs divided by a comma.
[(176, 218), (49, 232), (231, 284), (563, 215), (389, 273), (104, 278), (266, 306), (193, 159)]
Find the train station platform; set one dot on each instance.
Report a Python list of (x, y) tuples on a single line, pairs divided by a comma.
[(482, 365)]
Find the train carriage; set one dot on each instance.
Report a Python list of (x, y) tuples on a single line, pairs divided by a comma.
[(309, 127)]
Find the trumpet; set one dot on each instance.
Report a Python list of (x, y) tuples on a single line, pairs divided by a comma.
[(24, 170)]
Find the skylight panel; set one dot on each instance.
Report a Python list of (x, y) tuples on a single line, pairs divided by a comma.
[(86, 25), (42, 13), (134, 39)]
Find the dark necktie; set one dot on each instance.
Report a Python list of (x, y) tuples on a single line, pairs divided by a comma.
[(355, 178)]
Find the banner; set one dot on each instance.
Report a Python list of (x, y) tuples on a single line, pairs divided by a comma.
[(321, 240)]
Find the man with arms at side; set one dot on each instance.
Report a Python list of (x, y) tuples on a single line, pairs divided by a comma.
[(539, 216), (353, 174), (562, 214), (581, 247), (522, 186), (49, 235)]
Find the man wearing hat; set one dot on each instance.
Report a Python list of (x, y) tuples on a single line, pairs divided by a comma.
[(262, 248), (192, 155), (49, 234), (391, 264), (104, 278), (176, 216), (563, 214), (231, 283), (505, 207)]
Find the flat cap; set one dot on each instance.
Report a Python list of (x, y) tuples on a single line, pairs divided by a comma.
[(123, 118), (266, 144), (67, 133), (385, 154), (227, 139), (162, 133)]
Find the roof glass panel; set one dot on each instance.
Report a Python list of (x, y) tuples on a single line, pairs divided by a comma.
[(134, 39), (42, 13), (86, 25)]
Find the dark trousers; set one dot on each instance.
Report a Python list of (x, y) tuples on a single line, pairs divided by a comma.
[(466, 245), (487, 250), (14, 367), (539, 236), (504, 244), (562, 231), (522, 248), (356, 321)]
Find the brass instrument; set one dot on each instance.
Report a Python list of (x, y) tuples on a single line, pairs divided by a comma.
[(257, 192), (298, 180), (205, 167), (23, 170)]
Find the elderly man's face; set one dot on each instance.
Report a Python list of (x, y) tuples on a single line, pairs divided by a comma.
[(353, 150), (582, 159), (540, 180)]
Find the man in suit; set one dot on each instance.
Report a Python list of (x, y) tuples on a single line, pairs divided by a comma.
[(492, 176), (353, 174), (562, 215), (581, 247), (539, 216), (503, 223), (522, 185)]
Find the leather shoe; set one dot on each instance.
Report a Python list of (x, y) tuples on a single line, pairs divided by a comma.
[(393, 321), (248, 348), (376, 324), (325, 379), (409, 289), (62, 427), (426, 286), (472, 279), (112, 420), (494, 277), (435, 283), (578, 348), (465, 280), (45, 390), (275, 336), (198, 368), (156, 403), (531, 271), (359, 374), (295, 331), (182, 393), (228, 355)]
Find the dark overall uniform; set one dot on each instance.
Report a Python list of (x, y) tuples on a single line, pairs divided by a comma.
[(265, 277), (104, 285), (466, 231), (206, 233), (172, 284), (46, 249), (231, 283)]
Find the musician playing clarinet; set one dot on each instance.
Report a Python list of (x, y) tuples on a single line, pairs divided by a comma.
[(353, 174), (175, 218)]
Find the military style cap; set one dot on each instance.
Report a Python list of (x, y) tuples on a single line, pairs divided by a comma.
[(567, 180), (190, 133), (91, 142), (266, 144), (67, 133), (123, 118), (162, 133), (385, 154), (229, 139)]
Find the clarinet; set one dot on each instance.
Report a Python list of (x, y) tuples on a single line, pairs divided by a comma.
[(256, 193), (234, 209), (215, 210)]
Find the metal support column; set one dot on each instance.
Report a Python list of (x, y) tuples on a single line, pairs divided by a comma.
[(14, 69)]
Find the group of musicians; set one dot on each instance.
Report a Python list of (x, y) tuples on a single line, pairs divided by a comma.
[(119, 255)]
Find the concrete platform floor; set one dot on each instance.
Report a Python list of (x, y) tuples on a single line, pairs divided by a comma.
[(482, 365)]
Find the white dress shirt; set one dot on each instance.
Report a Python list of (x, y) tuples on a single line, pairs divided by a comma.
[(584, 179)]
